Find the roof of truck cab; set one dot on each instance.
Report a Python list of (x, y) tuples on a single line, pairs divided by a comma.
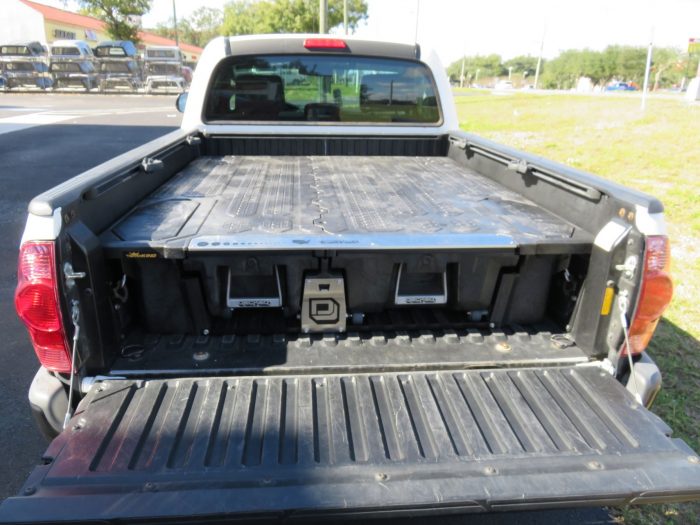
[(115, 43), (70, 43), (126, 45), (294, 43), (26, 43)]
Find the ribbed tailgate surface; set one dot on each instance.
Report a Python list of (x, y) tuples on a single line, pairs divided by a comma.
[(248, 422), (476, 439)]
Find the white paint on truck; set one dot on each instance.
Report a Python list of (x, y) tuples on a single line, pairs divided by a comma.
[(649, 223), (42, 228)]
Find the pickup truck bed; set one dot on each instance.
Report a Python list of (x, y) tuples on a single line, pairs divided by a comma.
[(349, 202), (317, 297)]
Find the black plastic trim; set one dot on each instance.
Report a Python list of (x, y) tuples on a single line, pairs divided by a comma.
[(501, 153)]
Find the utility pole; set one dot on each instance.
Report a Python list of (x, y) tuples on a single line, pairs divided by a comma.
[(415, 37), (539, 58), (177, 38), (461, 75), (345, 16), (323, 23), (476, 78), (510, 73), (647, 71)]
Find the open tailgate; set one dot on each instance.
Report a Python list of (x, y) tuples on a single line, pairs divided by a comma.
[(393, 442)]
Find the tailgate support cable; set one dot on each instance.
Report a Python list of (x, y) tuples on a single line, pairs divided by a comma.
[(623, 303), (75, 315)]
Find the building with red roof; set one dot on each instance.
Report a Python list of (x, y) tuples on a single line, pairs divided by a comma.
[(24, 20)]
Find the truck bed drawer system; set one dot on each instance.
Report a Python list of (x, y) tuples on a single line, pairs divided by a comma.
[(325, 202), (329, 241), (294, 445)]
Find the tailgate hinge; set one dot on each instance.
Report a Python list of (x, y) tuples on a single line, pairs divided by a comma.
[(629, 267), (71, 275)]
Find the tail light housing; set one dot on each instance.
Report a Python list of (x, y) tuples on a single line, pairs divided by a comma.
[(654, 295), (37, 304)]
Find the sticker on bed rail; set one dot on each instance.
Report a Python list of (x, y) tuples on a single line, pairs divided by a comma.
[(140, 255)]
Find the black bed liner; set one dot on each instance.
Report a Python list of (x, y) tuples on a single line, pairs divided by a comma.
[(367, 351), (294, 445), (303, 202)]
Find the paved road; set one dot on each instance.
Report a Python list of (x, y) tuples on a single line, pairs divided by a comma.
[(45, 139)]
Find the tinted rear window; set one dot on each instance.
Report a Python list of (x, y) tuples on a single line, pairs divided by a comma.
[(163, 69), (65, 51), (69, 67), (322, 88), (19, 66), (115, 67), (15, 50), (110, 51), (162, 53)]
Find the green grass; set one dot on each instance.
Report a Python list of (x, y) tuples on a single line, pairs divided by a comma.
[(657, 152)]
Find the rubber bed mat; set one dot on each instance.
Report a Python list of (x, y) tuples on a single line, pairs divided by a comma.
[(270, 199)]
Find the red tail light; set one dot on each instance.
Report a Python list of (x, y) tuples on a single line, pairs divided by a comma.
[(36, 302), (325, 43), (655, 294)]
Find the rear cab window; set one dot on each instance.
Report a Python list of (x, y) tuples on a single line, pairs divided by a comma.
[(168, 54), (322, 88), (15, 51), (19, 66), (110, 52), (65, 51)]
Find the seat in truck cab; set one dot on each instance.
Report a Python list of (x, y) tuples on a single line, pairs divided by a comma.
[(400, 95), (250, 97), (388, 90)]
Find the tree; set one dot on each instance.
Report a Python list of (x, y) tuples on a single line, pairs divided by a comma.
[(244, 17), (524, 64), (198, 29), (116, 14), (564, 71), (668, 66), (487, 66), (625, 63), (206, 25)]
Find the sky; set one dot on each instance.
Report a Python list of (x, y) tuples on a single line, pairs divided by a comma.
[(506, 27)]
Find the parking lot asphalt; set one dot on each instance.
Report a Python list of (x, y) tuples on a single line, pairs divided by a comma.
[(44, 140)]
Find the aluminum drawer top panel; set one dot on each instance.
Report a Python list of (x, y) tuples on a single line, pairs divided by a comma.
[(352, 201), (478, 440)]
